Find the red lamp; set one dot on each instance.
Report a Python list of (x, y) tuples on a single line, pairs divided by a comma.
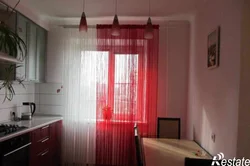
[(115, 27), (149, 30), (83, 22)]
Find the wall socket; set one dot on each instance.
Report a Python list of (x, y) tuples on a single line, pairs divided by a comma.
[(213, 136), (12, 115)]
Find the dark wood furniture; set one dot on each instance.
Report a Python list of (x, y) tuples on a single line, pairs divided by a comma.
[(171, 152), (46, 145), (198, 162), (169, 128), (139, 148)]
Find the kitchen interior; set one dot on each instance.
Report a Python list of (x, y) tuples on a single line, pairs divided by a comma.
[(27, 137), (37, 127)]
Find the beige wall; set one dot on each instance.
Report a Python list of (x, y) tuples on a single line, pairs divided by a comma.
[(173, 71), (214, 94), (243, 143)]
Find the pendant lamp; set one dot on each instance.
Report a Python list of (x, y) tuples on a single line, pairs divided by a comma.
[(83, 23), (115, 26), (149, 30)]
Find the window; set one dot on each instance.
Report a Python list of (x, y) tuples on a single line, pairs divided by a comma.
[(125, 84), (116, 79)]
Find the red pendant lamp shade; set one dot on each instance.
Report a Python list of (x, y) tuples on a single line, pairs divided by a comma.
[(149, 30), (115, 27), (83, 23)]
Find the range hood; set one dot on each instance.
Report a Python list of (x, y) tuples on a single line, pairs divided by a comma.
[(7, 58)]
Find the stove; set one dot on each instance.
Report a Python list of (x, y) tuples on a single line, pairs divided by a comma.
[(6, 129)]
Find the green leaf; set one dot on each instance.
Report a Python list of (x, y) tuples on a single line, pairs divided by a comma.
[(11, 43), (7, 83)]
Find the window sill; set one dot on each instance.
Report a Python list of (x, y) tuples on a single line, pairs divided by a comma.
[(121, 121)]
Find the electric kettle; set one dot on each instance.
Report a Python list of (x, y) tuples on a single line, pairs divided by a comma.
[(28, 115)]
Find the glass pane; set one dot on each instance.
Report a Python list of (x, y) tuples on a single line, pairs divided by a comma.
[(32, 52), (41, 54), (22, 32), (94, 82), (126, 84), (11, 22)]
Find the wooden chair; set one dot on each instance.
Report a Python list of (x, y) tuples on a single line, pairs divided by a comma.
[(139, 149), (169, 128), (197, 162)]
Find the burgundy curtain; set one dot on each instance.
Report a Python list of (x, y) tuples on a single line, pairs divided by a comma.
[(126, 93)]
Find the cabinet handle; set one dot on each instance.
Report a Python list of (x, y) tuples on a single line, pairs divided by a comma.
[(17, 149), (45, 140), (43, 154), (45, 127)]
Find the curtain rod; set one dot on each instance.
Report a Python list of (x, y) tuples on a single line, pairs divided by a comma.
[(76, 26), (94, 26), (89, 26)]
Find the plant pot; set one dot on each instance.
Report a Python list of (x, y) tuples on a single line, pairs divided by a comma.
[(107, 113)]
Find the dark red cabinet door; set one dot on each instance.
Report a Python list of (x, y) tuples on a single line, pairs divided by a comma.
[(46, 145)]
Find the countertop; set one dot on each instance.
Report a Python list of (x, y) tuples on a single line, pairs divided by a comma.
[(37, 121)]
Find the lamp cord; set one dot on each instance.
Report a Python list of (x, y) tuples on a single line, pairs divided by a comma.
[(149, 9), (115, 6), (83, 5)]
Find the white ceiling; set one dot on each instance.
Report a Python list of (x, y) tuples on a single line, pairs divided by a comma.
[(97, 8)]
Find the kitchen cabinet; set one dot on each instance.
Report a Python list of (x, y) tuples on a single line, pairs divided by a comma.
[(46, 145), (41, 54), (22, 29), (10, 21), (35, 38), (31, 56)]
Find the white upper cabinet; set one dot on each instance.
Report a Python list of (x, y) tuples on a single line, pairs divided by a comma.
[(36, 39), (22, 28), (10, 21), (32, 53), (41, 54)]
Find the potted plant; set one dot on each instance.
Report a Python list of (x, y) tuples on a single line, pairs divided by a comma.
[(7, 83), (107, 112), (11, 45)]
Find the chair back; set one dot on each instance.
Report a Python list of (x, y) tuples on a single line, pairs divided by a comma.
[(169, 128), (138, 146)]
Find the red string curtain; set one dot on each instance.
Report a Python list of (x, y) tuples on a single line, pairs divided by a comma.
[(126, 92)]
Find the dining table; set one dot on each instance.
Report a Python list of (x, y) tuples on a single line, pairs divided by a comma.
[(171, 152)]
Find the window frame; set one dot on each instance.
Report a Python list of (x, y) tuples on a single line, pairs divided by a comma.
[(140, 117)]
